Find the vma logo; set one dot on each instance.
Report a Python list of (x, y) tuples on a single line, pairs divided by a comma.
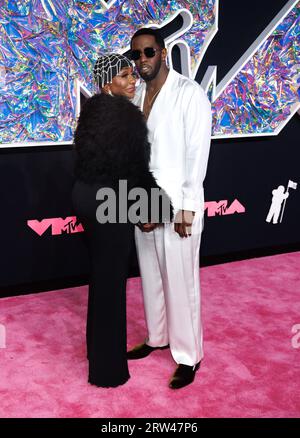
[(221, 208), (58, 225)]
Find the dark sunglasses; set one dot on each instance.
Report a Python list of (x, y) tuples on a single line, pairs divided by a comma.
[(149, 52)]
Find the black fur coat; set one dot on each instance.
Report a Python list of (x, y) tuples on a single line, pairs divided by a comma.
[(111, 144)]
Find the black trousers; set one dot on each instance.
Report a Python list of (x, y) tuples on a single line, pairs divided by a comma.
[(109, 247)]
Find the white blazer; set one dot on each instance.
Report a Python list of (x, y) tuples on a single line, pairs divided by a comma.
[(179, 132)]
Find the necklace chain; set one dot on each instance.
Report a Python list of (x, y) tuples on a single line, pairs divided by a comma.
[(150, 102)]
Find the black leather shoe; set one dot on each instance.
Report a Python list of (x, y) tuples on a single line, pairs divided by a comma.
[(183, 376), (143, 350)]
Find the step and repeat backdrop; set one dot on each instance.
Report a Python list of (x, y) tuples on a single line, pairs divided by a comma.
[(245, 56)]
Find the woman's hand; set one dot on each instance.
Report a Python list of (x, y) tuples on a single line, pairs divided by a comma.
[(146, 228)]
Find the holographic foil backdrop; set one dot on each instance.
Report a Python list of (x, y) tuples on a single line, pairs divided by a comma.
[(261, 95), (46, 44)]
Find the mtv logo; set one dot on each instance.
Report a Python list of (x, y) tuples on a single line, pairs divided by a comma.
[(69, 225), (220, 208)]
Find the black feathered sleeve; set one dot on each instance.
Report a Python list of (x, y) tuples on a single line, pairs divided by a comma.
[(111, 143)]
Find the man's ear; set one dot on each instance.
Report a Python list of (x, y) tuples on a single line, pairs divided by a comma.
[(164, 54)]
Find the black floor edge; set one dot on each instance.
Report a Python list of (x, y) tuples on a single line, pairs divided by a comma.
[(63, 283)]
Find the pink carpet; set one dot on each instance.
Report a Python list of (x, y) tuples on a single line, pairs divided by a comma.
[(251, 366)]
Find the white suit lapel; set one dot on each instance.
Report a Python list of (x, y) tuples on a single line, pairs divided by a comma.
[(160, 107)]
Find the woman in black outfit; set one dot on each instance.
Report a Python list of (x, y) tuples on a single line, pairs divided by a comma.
[(111, 145)]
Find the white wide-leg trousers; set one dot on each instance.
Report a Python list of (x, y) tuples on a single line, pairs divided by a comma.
[(169, 267)]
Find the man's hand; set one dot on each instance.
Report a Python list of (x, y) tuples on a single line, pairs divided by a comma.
[(146, 228), (183, 223)]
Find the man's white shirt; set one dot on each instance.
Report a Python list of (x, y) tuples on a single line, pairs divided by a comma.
[(179, 127)]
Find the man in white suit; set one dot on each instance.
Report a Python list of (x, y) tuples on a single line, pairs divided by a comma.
[(179, 121)]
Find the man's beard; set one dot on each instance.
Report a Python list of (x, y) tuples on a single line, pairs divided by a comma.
[(150, 76)]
